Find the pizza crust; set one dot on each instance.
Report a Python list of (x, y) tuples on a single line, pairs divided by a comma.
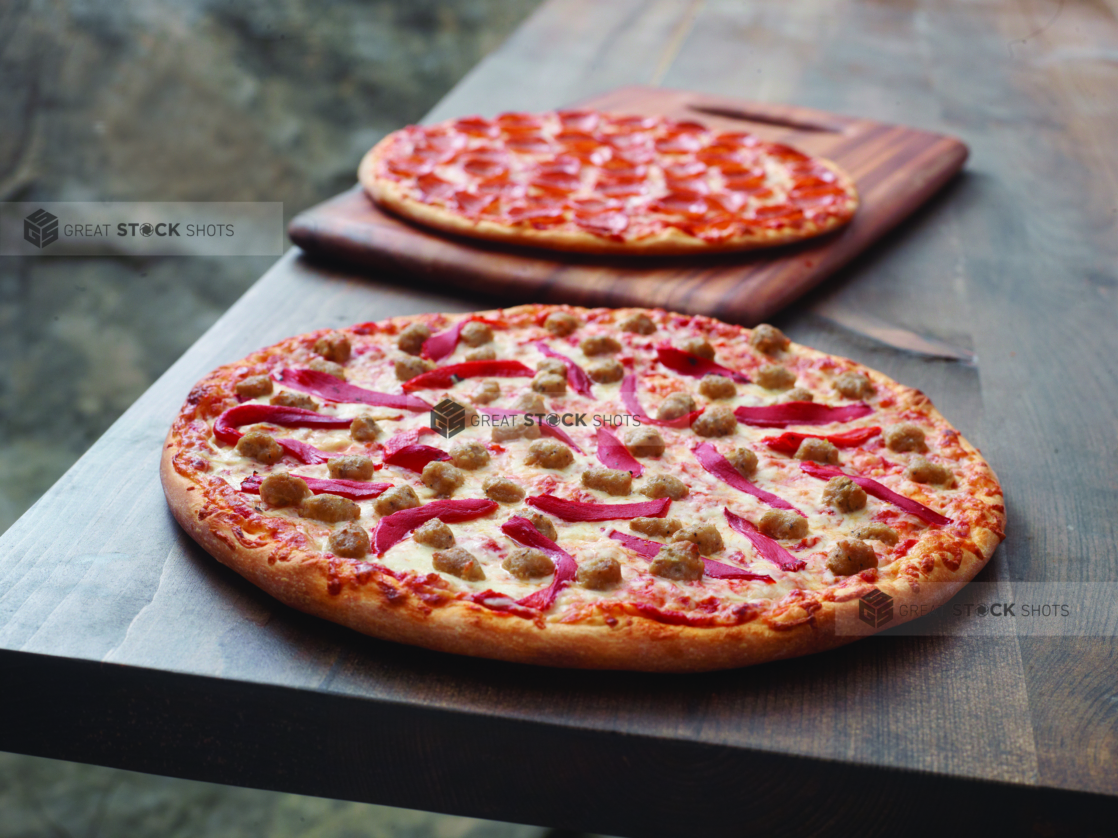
[(274, 555)]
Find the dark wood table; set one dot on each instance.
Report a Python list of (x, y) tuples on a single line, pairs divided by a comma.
[(124, 644)]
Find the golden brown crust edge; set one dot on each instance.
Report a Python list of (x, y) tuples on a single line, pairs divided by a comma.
[(384, 609), (389, 195)]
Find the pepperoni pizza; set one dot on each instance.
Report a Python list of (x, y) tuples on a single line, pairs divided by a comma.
[(592, 182)]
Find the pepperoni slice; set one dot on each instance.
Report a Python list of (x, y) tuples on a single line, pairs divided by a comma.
[(610, 179), (630, 124), (735, 168), (578, 120), (432, 186), (517, 122), (590, 206), (641, 154), (443, 145), (550, 202), (681, 203), (629, 143), (409, 166), (730, 202), (811, 169), (621, 190), (471, 204), (529, 144), (693, 184), (612, 223), (736, 139), (556, 182), (685, 169), (723, 162), (746, 183), (784, 152), (717, 229), (564, 163), (679, 144), (816, 197), (484, 166), (789, 217), (577, 139), (623, 167), (720, 147), (772, 211), (812, 183), (538, 214), (431, 155), (502, 186), (595, 156), (476, 126)]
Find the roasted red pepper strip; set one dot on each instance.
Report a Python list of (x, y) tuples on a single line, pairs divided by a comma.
[(723, 469), (404, 450), (415, 457), (643, 546), (576, 376), (304, 453), (352, 489), (406, 438), (574, 510), (629, 399), (764, 545), (880, 492), (800, 413), (439, 346), (225, 428), (713, 569), (615, 455), (546, 428), (503, 602), (718, 570), (523, 532), (447, 376), (391, 529), (789, 441), (687, 364), (329, 387)]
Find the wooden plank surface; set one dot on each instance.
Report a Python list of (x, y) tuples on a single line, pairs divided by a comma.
[(897, 169), (130, 646)]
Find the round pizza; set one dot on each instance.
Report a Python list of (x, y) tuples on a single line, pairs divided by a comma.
[(596, 183), (621, 489)]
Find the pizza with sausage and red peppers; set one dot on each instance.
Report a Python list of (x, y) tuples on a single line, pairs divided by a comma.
[(623, 489), (592, 182)]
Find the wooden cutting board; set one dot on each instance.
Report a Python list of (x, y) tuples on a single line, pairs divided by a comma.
[(896, 169)]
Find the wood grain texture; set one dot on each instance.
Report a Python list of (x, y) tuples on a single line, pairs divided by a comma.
[(128, 645), (896, 170)]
